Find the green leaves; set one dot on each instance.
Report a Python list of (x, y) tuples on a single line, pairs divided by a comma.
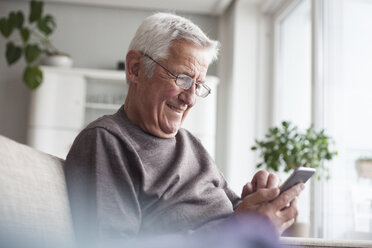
[(32, 52), (6, 27), (46, 24), (13, 53), (286, 147), (36, 9), (25, 34), (32, 77), (37, 30), (16, 19)]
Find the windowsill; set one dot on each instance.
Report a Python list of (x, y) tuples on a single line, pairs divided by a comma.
[(315, 242)]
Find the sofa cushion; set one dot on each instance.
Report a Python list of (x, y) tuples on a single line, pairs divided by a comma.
[(33, 195)]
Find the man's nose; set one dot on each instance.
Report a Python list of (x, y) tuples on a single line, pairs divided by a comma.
[(188, 96)]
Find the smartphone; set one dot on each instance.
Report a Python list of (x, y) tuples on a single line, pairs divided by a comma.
[(300, 175)]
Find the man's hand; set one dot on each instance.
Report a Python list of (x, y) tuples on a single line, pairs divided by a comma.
[(280, 210), (261, 180)]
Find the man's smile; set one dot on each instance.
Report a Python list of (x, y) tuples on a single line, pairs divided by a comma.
[(179, 110)]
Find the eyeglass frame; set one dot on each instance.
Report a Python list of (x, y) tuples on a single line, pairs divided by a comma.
[(177, 76)]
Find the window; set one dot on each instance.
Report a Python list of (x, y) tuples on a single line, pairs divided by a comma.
[(292, 96), (348, 197), (331, 86), (293, 82)]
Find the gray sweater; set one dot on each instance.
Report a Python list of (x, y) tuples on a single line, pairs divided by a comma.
[(124, 182)]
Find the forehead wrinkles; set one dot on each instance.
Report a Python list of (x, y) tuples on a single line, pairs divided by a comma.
[(193, 66), (188, 59)]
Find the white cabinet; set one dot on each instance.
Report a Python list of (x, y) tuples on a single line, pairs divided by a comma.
[(59, 101), (69, 99)]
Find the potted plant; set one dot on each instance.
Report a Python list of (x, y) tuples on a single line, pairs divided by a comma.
[(287, 148), (32, 40), (363, 166)]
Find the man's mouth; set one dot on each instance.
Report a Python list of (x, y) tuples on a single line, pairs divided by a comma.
[(178, 110)]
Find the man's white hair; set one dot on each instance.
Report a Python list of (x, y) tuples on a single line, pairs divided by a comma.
[(157, 32)]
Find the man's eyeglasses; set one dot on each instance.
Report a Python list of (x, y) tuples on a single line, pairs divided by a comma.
[(185, 82)]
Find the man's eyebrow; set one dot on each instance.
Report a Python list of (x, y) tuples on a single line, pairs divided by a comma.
[(187, 73), (202, 81), (191, 74)]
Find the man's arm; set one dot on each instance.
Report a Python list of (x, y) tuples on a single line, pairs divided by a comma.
[(102, 188)]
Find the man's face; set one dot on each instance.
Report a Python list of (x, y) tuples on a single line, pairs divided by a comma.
[(161, 104)]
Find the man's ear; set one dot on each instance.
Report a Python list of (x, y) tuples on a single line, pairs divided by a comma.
[(133, 65)]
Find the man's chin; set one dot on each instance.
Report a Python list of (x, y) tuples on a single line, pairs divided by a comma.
[(171, 131)]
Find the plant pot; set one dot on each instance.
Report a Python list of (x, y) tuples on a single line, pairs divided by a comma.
[(298, 229), (364, 168), (57, 60)]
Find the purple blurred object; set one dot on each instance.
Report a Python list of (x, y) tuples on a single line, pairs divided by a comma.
[(251, 231)]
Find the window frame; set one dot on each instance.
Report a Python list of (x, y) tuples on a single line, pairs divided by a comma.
[(318, 39)]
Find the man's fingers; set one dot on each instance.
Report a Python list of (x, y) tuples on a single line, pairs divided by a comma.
[(247, 189), (290, 212), (262, 196), (288, 196), (259, 180), (272, 181)]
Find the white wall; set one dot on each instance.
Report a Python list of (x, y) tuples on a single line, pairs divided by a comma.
[(225, 69), (244, 93), (96, 37)]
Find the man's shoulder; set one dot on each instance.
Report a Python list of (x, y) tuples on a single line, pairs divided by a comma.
[(106, 122), (107, 132), (115, 124), (109, 126), (186, 134)]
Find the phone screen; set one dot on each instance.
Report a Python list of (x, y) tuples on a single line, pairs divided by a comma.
[(300, 175)]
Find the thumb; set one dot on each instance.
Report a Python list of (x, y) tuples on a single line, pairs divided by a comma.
[(247, 189)]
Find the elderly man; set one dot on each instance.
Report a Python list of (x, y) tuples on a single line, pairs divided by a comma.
[(138, 171)]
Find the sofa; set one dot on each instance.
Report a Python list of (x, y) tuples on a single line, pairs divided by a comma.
[(34, 204)]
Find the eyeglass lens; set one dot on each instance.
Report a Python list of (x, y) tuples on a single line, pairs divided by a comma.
[(185, 82)]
